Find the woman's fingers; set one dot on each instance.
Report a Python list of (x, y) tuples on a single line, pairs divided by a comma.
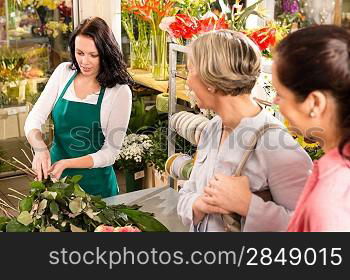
[(39, 172), (44, 168)]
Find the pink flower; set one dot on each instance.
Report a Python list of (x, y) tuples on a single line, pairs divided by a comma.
[(127, 229), (104, 228)]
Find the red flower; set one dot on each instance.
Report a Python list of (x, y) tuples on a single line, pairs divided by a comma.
[(183, 27), (209, 24), (264, 37)]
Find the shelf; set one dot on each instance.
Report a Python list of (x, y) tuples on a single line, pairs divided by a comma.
[(145, 78)]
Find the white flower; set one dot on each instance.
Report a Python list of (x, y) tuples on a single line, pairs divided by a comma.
[(134, 147)]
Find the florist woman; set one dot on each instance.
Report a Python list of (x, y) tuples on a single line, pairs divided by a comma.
[(90, 103), (223, 68)]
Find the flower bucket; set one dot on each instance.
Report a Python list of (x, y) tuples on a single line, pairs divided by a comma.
[(131, 183)]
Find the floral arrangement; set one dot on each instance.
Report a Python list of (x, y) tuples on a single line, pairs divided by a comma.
[(54, 28), (64, 206), (193, 8), (12, 64), (50, 4), (267, 37), (312, 148), (153, 11), (139, 37), (290, 14), (183, 27), (133, 153)]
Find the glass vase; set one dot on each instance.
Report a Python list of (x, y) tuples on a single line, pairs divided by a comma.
[(140, 54), (160, 56)]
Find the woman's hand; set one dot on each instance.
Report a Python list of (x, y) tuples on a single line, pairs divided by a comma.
[(230, 193), (201, 208), (41, 163), (57, 168)]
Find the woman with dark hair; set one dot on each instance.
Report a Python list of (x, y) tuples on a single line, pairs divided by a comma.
[(311, 74), (90, 103)]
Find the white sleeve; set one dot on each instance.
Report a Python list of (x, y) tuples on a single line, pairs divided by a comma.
[(189, 193), (44, 105), (116, 128)]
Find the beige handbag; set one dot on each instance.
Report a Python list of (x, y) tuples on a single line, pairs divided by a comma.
[(232, 222)]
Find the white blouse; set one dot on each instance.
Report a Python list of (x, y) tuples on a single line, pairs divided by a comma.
[(115, 112), (278, 164)]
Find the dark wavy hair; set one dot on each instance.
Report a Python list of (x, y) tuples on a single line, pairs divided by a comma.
[(113, 69), (318, 58)]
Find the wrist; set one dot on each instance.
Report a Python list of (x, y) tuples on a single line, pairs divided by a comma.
[(245, 207), (67, 163)]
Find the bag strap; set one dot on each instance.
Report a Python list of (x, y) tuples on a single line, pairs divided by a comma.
[(252, 145)]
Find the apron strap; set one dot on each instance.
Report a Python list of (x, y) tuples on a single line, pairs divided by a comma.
[(68, 84), (100, 97)]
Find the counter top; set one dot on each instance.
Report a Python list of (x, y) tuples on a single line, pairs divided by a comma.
[(161, 201)]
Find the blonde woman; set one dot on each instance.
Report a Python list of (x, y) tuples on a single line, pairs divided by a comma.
[(223, 68)]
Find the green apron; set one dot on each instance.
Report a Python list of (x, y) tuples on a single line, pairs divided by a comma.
[(77, 133)]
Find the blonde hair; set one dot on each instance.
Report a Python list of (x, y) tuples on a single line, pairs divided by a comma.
[(227, 61)]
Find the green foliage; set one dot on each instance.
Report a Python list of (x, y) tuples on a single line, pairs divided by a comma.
[(194, 8), (315, 153), (158, 154), (64, 206), (238, 21), (142, 119)]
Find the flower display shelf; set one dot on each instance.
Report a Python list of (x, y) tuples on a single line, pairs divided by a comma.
[(145, 78)]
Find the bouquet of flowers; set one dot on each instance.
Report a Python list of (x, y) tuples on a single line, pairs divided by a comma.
[(64, 206), (267, 37), (139, 37), (50, 4), (184, 27), (133, 153)]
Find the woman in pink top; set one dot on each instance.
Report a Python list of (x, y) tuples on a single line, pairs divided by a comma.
[(311, 74)]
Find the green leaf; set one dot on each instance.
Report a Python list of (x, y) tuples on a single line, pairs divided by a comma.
[(3, 223), (49, 195), (14, 226), (68, 191), (42, 206), (37, 185), (25, 218), (145, 221), (78, 191), (76, 205), (26, 204), (75, 179), (54, 209)]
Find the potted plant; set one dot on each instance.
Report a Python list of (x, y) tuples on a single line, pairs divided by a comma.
[(132, 159), (158, 152), (141, 119)]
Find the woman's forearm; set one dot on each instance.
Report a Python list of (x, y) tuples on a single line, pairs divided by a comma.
[(35, 139), (80, 162)]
